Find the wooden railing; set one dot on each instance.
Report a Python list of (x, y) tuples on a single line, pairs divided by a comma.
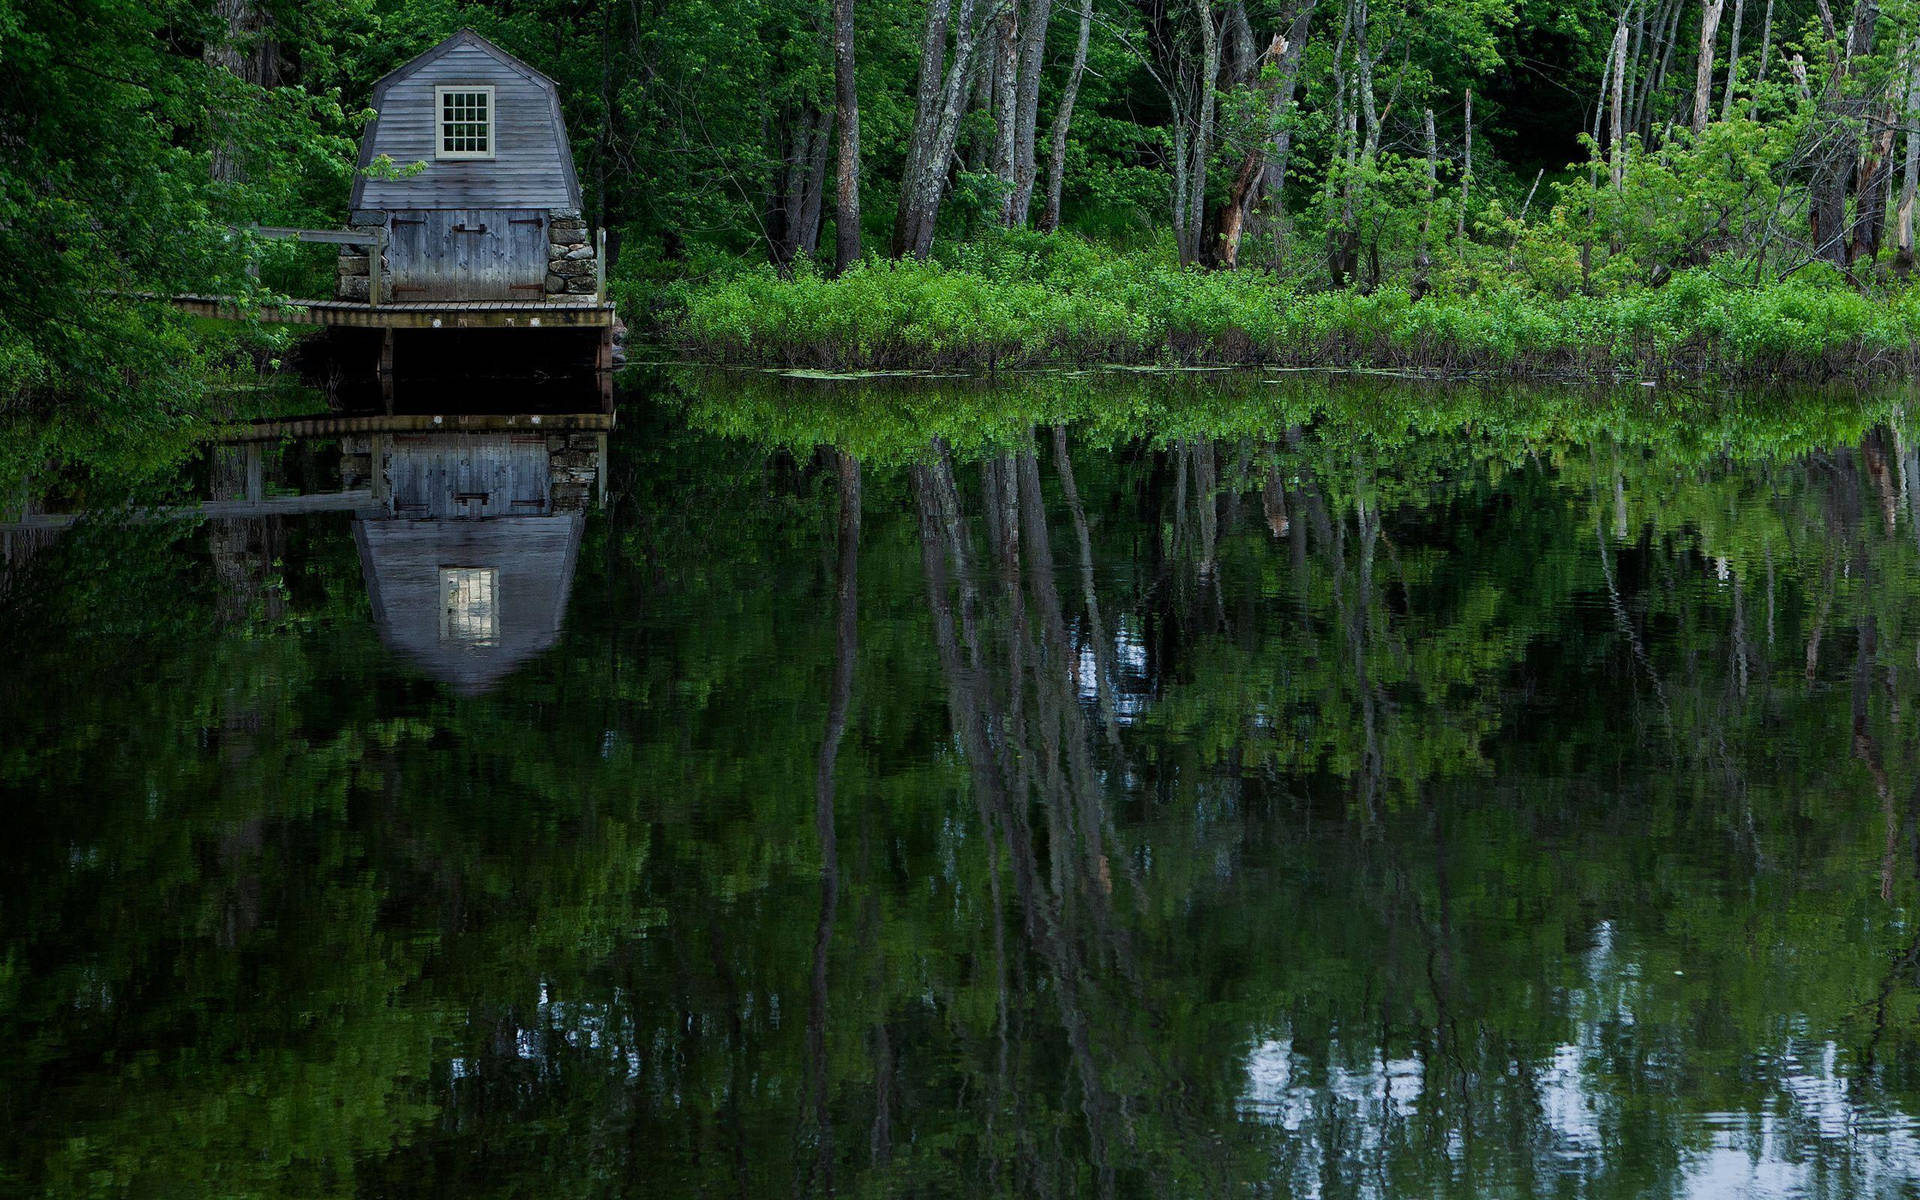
[(377, 240)]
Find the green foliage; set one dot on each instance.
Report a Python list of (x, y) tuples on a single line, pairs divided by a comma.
[(1026, 299)]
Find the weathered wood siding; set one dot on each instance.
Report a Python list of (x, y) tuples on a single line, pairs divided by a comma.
[(533, 563), (532, 166), (468, 254), (469, 475)]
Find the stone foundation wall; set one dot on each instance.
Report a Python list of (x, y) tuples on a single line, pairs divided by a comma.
[(571, 269), (571, 266), (574, 460)]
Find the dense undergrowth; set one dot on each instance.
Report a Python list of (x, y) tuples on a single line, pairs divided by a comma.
[(1032, 301)]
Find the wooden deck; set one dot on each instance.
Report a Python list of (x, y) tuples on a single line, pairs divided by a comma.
[(332, 426), (560, 312)]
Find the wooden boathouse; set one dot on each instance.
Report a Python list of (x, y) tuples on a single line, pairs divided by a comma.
[(466, 209)]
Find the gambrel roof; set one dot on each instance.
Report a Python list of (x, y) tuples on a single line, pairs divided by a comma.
[(465, 40)]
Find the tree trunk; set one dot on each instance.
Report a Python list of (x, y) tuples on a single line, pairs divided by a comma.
[(1341, 166), (1275, 179), (246, 52), (814, 189), (846, 207), (1633, 83), (1903, 235), (1063, 120), (1837, 161), (936, 122), (1026, 118), (1659, 80), (1870, 191), (1616, 146), (1733, 59), (1466, 170), (794, 227), (1246, 181), (1766, 45), (1202, 144), (1703, 66), (1006, 86), (1422, 261)]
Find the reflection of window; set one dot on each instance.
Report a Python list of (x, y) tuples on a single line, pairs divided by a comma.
[(466, 122), (469, 605)]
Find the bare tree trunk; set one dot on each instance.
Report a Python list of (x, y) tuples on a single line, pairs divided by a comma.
[(846, 207), (1274, 181), (1659, 80), (1616, 143), (938, 109), (1634, 80), (1063, 120), (1422, 261), (1466, 170), (814, 187), (1766, 45), (1026, 118), (1609, 86), (1703, 66), (1202, 145), (1733, 59), (1903, 236), (794, 224), (1344, 160), (1006, 86)]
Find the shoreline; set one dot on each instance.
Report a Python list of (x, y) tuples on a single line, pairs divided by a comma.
[(926, 317)]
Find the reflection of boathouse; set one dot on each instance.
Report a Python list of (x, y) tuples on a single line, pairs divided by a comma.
[(469, 551)]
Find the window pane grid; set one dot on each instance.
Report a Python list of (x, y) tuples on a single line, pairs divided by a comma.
[(469, 605), (465, 123)]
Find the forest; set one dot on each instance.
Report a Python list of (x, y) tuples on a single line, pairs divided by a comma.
[(1583, 188)]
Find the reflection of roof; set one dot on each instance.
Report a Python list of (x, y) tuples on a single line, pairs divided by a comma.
[(528, 563)]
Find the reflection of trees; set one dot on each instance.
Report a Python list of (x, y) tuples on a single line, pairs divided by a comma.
[(846, 647), (1375, 816), (1011, 691)]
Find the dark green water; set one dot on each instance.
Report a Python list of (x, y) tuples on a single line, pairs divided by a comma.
[(1209, 790)]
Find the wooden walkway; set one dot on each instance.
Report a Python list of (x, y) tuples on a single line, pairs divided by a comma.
[(560, 312), (271, 506)]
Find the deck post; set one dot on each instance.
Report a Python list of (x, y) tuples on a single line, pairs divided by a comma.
[(379, 251), (377, 468), (386, 352), (256, 473), (600, 266)]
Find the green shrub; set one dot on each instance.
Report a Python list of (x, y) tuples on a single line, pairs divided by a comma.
[(1025, 299)]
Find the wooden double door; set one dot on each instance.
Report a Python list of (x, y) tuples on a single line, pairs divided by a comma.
[(468, 254), (441, 475)]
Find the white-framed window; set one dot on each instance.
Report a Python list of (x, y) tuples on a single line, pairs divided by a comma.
[(470, 605), (464, 117)]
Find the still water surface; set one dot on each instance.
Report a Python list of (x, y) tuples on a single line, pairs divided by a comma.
[(1190, 790)]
